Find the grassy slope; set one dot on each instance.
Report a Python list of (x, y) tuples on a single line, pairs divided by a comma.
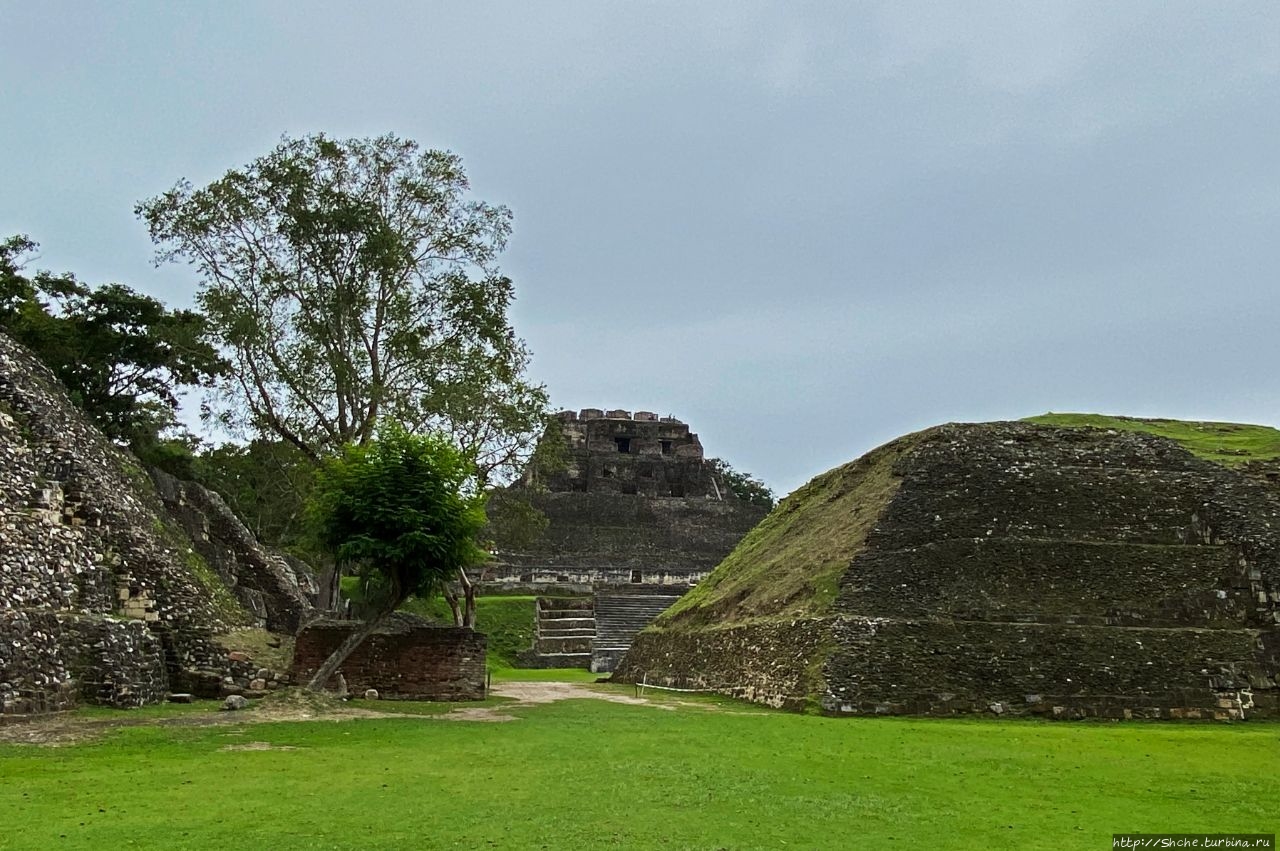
[(508, 621), (789, 565), (688, 778), (1225, 443)]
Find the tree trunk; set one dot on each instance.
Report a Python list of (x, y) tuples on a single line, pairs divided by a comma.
[(469, 592), (345, 649), (451, 597), (330, 583)]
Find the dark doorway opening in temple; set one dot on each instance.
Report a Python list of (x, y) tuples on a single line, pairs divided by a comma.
[(624, 444)]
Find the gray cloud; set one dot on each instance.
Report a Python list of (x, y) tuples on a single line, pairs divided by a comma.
[(803, 228)]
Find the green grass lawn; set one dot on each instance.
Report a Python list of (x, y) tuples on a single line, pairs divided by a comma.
[(531, 675), (588, 774), (1225, 443)]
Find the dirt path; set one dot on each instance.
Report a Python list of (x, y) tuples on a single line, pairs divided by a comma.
[(532, 694), (67, 728)]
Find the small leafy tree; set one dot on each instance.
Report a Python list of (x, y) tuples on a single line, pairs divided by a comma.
[(744, 486), (403, 512)]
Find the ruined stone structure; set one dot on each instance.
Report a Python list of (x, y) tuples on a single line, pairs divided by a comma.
[(635, 504), (276, 590), (103, 596), (614, 452), (1004, 568), (406, 658)]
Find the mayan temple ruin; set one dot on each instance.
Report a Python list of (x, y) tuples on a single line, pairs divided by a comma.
[(635, 516)]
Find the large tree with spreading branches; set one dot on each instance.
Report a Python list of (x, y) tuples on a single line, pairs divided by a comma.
[(356, 280)]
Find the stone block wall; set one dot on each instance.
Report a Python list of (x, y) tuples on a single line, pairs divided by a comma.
[(605, 537), (936, 667), (405, 659), (53, 661), (776, 663), (613, 452), (103, 597)]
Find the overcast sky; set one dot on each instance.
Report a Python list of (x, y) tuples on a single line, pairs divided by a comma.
[(803, 228)]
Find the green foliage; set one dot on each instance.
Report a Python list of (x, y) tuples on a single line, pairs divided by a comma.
[(549, 457), (590, 774), (355, 280), (266, 483), (402, 511), (743, 485), (515, 523), (121, 355), (1230, 444)]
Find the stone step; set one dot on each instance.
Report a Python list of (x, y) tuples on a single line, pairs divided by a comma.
[(552, 614), (569, 623), (564, 660), (545, 603), (565, 633), (563, 645)]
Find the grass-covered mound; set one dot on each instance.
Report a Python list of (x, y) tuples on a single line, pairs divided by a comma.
[(1029, 567), (1231, 444), (788, 566)]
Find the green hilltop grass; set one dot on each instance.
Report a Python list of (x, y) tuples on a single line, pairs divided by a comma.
[(589, 774), (1230, 444), (790, 563)]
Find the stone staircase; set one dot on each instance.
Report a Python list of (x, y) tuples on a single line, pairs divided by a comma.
[(618, 617), (565, 629)]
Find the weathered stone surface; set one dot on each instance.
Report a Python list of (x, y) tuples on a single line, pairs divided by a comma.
[(278, 594), (235, 703), (406, 658), (103, 597), (637, 506), (635, 503), (1020, 568), (770, 662)]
